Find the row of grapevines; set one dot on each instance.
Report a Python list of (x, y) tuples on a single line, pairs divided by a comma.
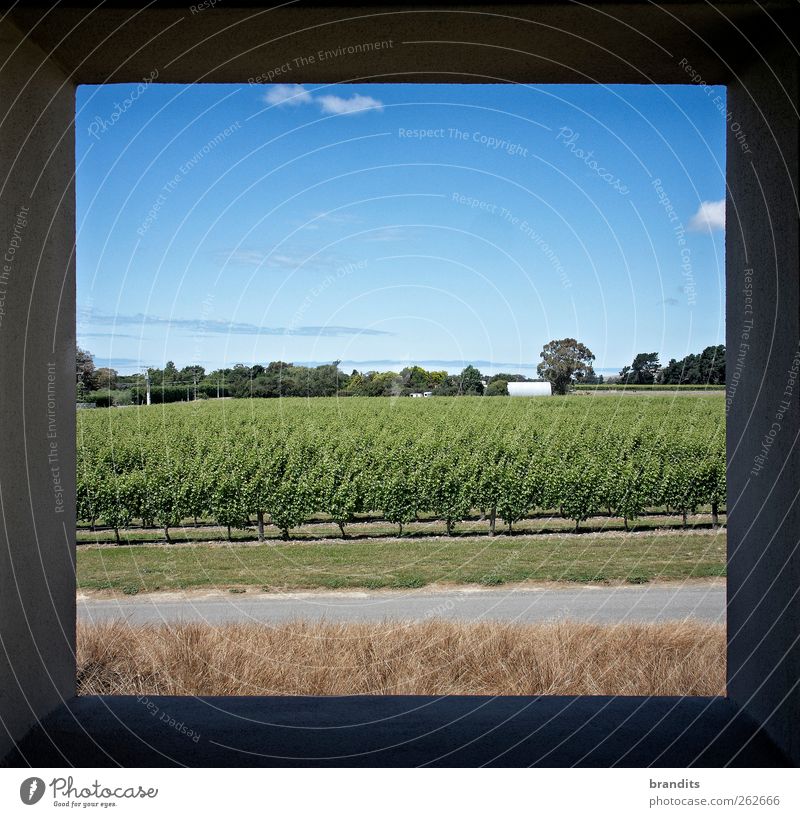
[(285, 461)]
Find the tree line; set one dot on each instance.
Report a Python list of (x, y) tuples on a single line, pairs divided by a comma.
[(565, 363), (104, 386), (704, 369)]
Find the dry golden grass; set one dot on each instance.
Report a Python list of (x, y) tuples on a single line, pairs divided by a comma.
[(429, 658)]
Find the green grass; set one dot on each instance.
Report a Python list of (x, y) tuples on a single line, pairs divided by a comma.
[(403, 563)]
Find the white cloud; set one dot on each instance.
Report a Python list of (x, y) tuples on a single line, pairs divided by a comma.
[(287, 95), (710, 216), (354, 104)]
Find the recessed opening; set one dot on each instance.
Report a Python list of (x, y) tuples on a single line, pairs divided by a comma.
[(349, 308)]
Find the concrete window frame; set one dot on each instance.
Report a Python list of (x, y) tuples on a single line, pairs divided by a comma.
[(46, 52)]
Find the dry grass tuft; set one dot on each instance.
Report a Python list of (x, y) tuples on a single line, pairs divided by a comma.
[(397, 658)]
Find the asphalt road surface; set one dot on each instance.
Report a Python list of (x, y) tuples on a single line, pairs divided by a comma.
[(650, 602)]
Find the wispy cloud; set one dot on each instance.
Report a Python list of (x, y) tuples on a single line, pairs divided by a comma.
[(288, 95), (283, 260), (338, 218), (118, 362), (253, 258), (710, 216), (357, 103), (217, 327), (328, 103), (669, 302), (259, 258), (395, 233)]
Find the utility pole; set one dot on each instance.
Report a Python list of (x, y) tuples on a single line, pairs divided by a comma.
[(147, 384)]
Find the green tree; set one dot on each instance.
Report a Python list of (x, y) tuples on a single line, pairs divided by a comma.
[(471, 381), (589, 377), (581, 482), (85, 371), (116, 501), (340, 486), (707, 368), (229, 500), (106, 378), (191, 374), (395, 491), (415, 378), (497, 388), (449, 387), (562, 360), (680, 488), (514, 497), (445, 486), (164, 497), (294, 495), (170, 374), (88, 487), (642, 371)]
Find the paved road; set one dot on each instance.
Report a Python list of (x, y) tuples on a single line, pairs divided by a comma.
[(654, 602)]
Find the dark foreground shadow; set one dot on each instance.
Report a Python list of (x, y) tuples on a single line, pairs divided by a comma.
[(399, 731)]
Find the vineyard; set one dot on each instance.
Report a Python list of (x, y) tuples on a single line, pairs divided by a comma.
[(256, 462)]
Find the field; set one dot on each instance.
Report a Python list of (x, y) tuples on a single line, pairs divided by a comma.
[(430, 658), (401, 493), (284, 461)]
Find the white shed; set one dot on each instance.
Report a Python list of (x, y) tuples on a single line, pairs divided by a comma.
[(543, 389)]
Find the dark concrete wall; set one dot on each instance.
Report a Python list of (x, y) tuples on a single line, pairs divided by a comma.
[(37, 383), (557, 41), (763, 369)]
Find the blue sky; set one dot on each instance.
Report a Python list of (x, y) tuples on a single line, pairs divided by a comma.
[(384, 225)]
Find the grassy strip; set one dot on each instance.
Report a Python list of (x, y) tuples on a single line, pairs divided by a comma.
[(430, 658), (403, 562)]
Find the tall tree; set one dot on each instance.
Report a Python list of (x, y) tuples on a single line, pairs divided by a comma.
[(562, 361), (106, 378), (191, 374), (84, 368), (471, 381), (643, 370), (707, 368), (170, 373), (589, 377)]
